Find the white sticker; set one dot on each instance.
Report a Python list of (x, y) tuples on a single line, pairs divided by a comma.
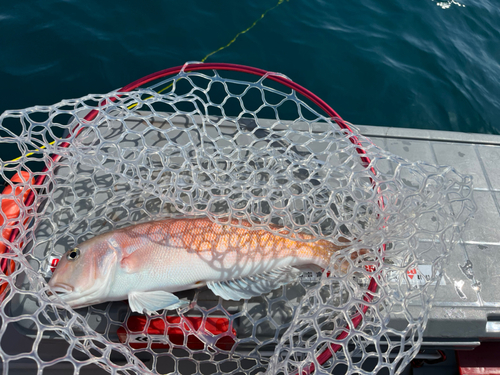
[(51, 267), (418, 276)]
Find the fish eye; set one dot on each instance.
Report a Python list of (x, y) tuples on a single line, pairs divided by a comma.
[(73, 254)]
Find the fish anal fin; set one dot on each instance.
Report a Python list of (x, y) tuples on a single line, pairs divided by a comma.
[(152, 301), (255, 285)]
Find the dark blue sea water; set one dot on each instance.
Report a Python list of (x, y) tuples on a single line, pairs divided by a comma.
[(404, 63)]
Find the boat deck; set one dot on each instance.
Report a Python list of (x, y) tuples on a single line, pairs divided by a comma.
[(466, 308)]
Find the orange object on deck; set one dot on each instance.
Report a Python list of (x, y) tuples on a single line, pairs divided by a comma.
[(11, 210)]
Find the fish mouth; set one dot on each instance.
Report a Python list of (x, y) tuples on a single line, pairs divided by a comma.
[(61, 290)]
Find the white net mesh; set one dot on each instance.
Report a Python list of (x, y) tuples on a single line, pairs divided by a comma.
[(224, 148)]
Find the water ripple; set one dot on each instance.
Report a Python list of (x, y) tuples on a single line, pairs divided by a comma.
[(427, 64)]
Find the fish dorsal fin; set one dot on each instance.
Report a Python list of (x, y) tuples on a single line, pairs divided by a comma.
[(150, 302), (255, 285)]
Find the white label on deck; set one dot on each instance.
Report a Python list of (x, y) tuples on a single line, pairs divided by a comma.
[(418, 276)]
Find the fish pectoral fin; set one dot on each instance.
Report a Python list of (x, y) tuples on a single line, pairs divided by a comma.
[(255, 285), (150, 302)]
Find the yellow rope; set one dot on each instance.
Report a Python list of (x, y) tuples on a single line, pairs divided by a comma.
[(224, 47), (244, 31), (28, 154), (170, 85)]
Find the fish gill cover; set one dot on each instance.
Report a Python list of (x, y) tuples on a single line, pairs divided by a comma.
[(240, 151)]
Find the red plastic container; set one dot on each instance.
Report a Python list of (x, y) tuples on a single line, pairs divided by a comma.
[(162, 335), (484, 360)]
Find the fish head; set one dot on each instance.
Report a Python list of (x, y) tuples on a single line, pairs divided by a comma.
[(83, 275)]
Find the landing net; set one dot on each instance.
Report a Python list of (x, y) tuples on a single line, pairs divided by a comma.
[(237, 145)]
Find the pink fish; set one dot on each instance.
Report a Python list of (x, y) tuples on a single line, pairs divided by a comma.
[(147, 263)]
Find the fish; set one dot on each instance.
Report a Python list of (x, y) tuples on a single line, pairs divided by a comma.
[(147, 263)]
